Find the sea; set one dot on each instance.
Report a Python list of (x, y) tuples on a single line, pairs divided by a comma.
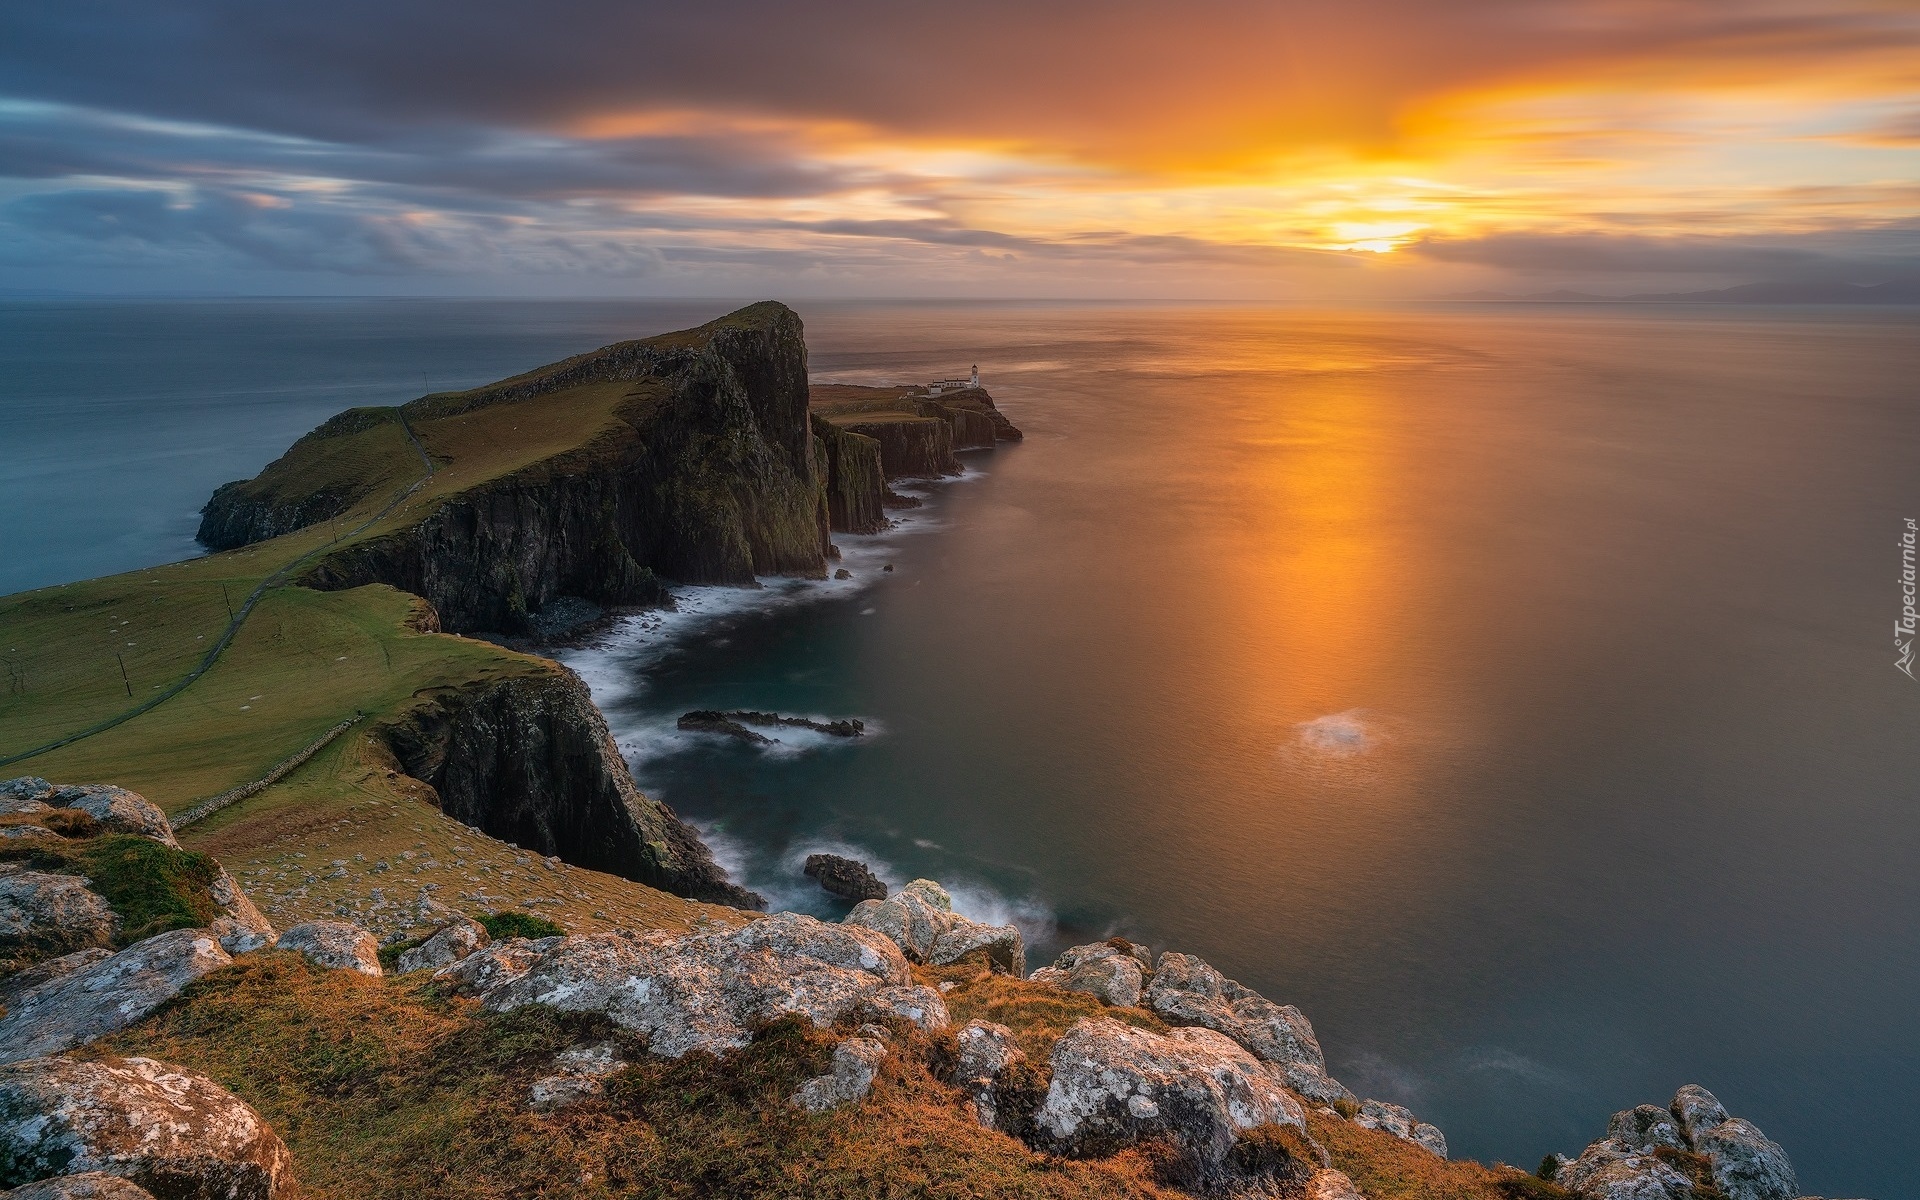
[(1512, 688)]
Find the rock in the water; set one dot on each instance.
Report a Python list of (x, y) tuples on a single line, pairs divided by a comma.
[(98, 997), (88, 1185), (986, 1050), (1187, 991), (43, 915), (176, 1133), (494, 966), (921, 921), (706, 721), (845, 877), (241, 927), (1746, 1165), (1401, 1123), (1697, 1110), (708, 990), (1114, 1085), (1101, 970), (446, 946), (337, 945), (843, 573), (579, 1074), (915, 1003), (855, 1062)]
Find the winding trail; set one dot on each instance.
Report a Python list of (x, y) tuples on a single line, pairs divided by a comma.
[(239, 618)]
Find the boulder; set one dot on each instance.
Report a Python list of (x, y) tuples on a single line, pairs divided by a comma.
[(1697, 1110), (44, 915), (176, 1133), (921, 921), (855, 1062), (18, 984), (24, 795), (27, 832), (1647, 1127), (845, 877), (98, 997), (984, 1052), (494, 966), (446, 946), (241, 927), (336, 945), (1746, 1165), (1401, 1123), (1608, 1171), (1329, 1184), (1101, 970), (1114, 1085), (707, 990), (915, 1003), (88, 1185), (1187, 991), (116, 808), (579, 1074)]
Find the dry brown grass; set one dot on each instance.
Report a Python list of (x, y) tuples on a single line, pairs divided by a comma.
[(1037, 1013), (1386, 1168)]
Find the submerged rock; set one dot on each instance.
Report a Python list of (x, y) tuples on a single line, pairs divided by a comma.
[(1101, 970), (921, 921), (1187, 991), (176, 1133), (855, 1063), (97, 997), (336, 945), (1114, 1085), (845, 877)]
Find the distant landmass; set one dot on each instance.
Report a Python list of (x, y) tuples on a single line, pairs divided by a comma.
[(1905, 292)]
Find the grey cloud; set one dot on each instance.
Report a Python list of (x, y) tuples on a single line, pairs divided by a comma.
[(1852, 256)]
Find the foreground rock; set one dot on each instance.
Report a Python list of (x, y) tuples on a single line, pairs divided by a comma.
[(1628, 1164), (102, 995), (1102, 970), (1187, 991), (1115, 1085), (1401, 1123), (494, 966), (90, 1185), (985, 1053), (44, 915), (336, 945), (855, 1063), (447, 945), (922, 923), (707, 991), (175, 1133), (847, 878), (115, 808), (579, 1073), (241, 927)]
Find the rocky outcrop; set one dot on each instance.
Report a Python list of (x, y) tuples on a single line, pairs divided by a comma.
[(855, 1063), (530, 761), (977, 402), (253, 510), (579, 1073), (89, 1185), (494, 966), (240, 927), (921, 921), (856, 481), (1187, 991), (445, 946), (706, 474), (45, 915), (1651, 1153), (1102, 970), (984, 1053), (115, 809), (101, 996), (175, 1133), (846, 727), (1401, 1123), (911, 447), (335, 945), (707, 991), (847, 878), (915, 1004), (1114, 1086)]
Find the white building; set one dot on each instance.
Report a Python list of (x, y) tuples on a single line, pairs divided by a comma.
[(953, 385)]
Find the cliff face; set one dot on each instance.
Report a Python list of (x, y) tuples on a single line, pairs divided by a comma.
[(856, 482), (911, 447), (291, 494), (530, 761)]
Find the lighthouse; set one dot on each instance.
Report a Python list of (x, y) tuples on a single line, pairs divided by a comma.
[(974, 379)]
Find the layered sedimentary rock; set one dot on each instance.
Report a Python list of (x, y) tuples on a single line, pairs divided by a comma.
[(856, 482), (530, 761), (910, 447)]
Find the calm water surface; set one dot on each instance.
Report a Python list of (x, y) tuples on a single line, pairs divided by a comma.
[(1510, 689)]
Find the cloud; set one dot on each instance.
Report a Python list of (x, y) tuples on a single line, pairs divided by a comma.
[(1869, 256)]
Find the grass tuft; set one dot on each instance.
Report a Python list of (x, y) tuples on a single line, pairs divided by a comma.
[(152, 887), (512, 924)]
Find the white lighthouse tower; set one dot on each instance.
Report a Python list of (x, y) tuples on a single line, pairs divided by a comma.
[(974, 379)]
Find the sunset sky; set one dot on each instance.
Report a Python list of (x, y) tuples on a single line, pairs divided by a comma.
[(1213, 149)]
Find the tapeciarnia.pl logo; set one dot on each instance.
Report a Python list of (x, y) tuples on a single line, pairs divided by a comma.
[(1903, 628)]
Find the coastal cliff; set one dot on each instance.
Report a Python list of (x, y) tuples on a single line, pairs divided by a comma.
[(530, 761), (877, 434), (856, 480)]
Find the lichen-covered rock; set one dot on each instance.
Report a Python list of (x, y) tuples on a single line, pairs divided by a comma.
[(855, 1063), (176, 1133), (447, 945), (88, 1185), (117, 809), (921, 921), (24, 795), (847, 878), (336, 945), (1187, 991), (708, 990), (98, 997), (579, 1073), (1105, 972), (22, 833), (44, 915), (1329, 1184), (1746, 1164), (1114, 1085), (1606, 1170), (18, 984), (1401, 1123), (1696, 1110), (984, 1052), (916, 1003), (494, 966), (1646, 1127), (241, 927)]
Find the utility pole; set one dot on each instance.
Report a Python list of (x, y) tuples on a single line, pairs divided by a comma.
[(123, 674), (229, 603)]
